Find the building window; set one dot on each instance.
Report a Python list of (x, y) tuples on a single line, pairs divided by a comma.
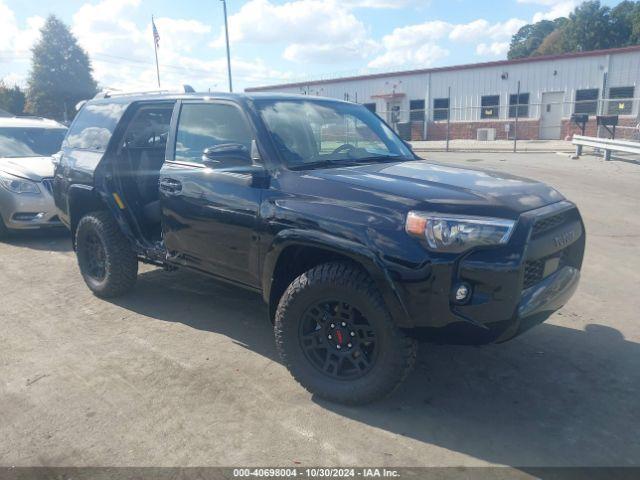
[(371, 107), (519, 106), (490, 106), (440, 109), (416, 113), (621, 100), (586, 101)]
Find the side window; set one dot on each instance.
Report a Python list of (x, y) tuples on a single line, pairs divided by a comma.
[(586, 101), (490, 106), (149, 127), (94, 125), (201, 126)]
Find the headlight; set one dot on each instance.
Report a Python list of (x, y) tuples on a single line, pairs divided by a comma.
[(457, 233), (18, 185)]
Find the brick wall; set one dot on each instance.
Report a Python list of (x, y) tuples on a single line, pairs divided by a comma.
[(569, 128), (527, 130)]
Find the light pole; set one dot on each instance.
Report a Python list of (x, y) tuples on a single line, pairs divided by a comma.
[(226, 33)]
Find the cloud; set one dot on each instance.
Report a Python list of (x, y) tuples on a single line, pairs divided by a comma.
[(555, 8), (15, 42), (376, 3), (122, 50), (482, 29), (420, 45), (495, 49), (425, 56), (307, 30)]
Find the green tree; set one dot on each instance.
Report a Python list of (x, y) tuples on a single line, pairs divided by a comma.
[(589, 28), (12, 99), (553, 44), (635, 26), (528, 39), (622, 23), (61, 73)]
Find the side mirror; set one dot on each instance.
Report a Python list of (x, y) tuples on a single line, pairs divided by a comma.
[(226, 155)]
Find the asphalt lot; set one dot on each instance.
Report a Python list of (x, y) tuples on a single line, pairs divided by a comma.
[(183, 371)]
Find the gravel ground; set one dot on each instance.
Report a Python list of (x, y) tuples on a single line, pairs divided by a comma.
[(183, 371)]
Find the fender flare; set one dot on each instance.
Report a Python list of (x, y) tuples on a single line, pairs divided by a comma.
[(357, 252)]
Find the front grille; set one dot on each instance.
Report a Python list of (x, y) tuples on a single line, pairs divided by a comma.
[(533, 271), (48, 184), (549, 223)]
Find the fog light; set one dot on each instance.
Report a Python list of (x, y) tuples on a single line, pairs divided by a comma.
[(462, 293)]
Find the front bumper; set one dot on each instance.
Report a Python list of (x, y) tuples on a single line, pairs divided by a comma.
[(29, 211), (541, 300), (513, 287)]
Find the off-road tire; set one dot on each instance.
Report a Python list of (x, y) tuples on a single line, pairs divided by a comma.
[(349, 283), (120, 261)]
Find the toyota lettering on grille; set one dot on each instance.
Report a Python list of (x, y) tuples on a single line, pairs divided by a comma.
[(564, 239)]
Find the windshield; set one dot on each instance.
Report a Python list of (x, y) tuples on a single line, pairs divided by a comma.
[(30, 142), (316, 133)]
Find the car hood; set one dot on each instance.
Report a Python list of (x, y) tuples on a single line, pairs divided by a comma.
[(32, 168), (443, 187)]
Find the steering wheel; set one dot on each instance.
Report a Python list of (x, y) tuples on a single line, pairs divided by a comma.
[(346, 147)]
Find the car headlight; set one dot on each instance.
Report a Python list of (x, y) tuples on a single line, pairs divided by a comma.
[(18, 185), (457, 233)]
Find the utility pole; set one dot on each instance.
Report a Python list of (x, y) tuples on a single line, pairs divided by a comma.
[(226, 33)]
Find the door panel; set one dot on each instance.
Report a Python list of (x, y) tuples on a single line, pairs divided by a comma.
[(210, 215), (551, 115)]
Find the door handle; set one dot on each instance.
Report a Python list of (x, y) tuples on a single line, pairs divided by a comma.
[(170, 186)]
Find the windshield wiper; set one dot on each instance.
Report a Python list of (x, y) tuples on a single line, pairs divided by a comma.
[(325, 163), (380, 158)]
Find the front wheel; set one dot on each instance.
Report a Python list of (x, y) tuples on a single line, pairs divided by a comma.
[(336, 336), (107, 262)]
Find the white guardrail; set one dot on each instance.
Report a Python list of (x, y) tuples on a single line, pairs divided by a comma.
[(606, 144)]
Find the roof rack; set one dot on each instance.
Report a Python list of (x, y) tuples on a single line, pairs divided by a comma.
[(30, 117), (111, 93)]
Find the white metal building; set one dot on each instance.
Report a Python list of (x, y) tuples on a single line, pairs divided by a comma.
[(481, 100)]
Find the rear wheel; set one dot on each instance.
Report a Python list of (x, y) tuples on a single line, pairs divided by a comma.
[(336, 336), (107, 262)]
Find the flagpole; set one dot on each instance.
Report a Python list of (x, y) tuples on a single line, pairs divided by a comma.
[(226, 34), (155, 48)]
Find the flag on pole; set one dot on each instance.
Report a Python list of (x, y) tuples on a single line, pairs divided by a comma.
[(156, 35)]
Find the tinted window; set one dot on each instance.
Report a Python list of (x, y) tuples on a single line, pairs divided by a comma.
[(587, 101), (490, 106), (30, 142), (519, 106), (371, 107), (206, 125), (94, 125), (622, 100), (149, 128), (440, 108), (416, 108)]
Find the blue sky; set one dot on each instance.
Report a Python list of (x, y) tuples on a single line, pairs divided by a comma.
[(272, 41)]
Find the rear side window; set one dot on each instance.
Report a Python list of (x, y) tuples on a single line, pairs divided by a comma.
[(94, 125)]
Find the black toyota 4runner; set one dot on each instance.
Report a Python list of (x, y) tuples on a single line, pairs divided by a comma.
[(355, 244)]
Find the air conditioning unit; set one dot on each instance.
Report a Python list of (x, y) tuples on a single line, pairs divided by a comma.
[(486, 134)]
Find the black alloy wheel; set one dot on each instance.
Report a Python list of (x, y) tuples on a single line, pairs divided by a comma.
[(338, 340)]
